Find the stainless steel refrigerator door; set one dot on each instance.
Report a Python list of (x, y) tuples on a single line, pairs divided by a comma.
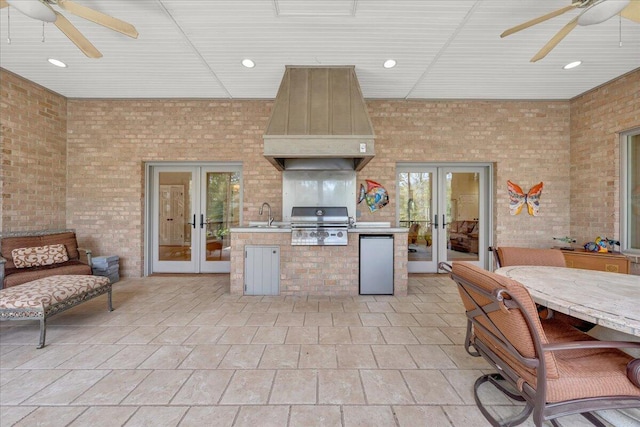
[(376, 265)]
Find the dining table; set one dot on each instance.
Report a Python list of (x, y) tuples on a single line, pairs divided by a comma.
[(610, 300)]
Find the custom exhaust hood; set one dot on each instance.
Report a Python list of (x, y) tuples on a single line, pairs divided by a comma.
[(319, 121)]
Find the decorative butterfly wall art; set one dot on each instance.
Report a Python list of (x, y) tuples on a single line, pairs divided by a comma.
[(517, 198)]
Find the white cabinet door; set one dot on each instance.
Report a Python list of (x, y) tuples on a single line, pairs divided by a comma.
[(262, 270)]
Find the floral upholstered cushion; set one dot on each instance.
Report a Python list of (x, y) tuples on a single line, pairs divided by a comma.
[(43, 293), (39, 256)]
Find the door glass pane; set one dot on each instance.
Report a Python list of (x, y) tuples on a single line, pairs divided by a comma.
[(416, 210), (462, 213), (175, 215), (222, 209)]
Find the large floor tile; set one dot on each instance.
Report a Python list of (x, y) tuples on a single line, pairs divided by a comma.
[(158, 388), (249, 387), (104, 416), (263, 416), (67, 388), (112, 388), (221, 416), (204, 387), (157, 416), (315, 416), (340, 387), (294, 387), (242, 357), (51, 416), (411, 416), (385, 387), (280, 357), (370, 416)]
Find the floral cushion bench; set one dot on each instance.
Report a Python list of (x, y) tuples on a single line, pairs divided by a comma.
[(43, 298)]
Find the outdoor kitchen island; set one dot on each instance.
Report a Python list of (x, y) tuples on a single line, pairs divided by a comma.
[(316, 270)]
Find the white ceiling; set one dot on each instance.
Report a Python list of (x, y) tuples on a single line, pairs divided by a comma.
[(445, 49)]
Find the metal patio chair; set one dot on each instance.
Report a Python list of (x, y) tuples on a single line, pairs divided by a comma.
[(552, 367), (506, 256)]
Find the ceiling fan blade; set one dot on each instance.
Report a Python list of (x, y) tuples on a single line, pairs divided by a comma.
[(76, 37), (632, 11), (539, 19), (555, 40), (99, 18), (3, 4)]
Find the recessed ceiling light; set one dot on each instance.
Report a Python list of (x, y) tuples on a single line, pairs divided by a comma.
[(389, 63), (57, 63), (571, 65), (248, 63)]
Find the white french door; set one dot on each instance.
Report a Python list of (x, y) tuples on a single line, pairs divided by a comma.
[(446, 209), (191, 209)]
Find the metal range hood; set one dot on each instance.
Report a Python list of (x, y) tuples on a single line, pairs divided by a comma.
[(319, 121)]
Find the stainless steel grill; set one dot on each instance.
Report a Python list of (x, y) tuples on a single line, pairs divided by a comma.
[(319, 226)]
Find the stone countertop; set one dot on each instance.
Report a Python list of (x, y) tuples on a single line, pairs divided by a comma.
[(607, 299), (362, 228)]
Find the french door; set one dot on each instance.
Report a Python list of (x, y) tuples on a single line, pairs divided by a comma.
[(191, 209), (446, 209)]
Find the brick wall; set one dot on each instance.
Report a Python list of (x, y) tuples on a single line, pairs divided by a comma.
[(597, 119), (33, 127), (108, 142), (526, 141)]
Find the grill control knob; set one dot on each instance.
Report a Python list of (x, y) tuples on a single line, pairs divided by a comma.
[(340, 234)]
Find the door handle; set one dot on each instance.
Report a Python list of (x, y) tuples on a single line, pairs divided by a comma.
[(193, 224), (444, 223), (201, 221), (435, 222)]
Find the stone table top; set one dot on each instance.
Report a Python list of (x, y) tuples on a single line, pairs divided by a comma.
[(611, 300)]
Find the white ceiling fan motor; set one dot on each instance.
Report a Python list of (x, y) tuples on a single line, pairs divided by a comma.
[(602, 10), (35, 9)]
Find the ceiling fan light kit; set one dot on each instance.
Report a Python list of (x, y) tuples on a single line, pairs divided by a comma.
[(593, 12), (42, 10)]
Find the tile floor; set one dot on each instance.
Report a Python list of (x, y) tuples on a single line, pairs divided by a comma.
[(180, 350)]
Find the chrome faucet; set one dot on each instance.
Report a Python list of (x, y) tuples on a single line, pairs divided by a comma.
[(270, 221)]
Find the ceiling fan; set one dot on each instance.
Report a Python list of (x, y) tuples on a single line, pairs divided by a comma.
[(42, 10), (594, 12)]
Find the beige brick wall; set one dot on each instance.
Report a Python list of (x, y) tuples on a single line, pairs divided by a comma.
[(526, 141), (597, 119), (33, 123), (109, 141)]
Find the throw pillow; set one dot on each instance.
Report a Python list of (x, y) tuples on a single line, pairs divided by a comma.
[(39, 255)]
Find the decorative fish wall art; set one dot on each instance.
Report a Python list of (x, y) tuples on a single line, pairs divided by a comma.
[(517, 198), (375, 195)]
